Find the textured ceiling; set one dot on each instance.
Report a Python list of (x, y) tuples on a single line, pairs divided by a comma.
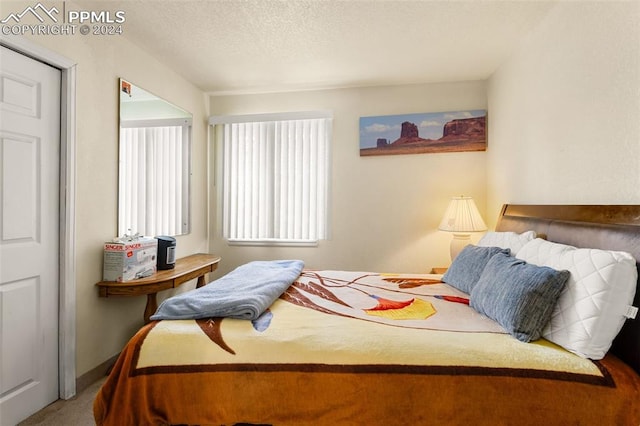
[(264, 45)]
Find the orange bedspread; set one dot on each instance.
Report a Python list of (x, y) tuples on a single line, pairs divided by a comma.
[(359, 348)]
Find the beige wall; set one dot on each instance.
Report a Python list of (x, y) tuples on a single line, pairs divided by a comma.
[(565, 110), (104, 325), (384, 210)]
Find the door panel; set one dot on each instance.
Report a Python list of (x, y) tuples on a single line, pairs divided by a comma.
[(20, 219), (29, 235)]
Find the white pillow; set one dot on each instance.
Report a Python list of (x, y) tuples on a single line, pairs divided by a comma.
[(508, 240), (542, 252), (597, 297)]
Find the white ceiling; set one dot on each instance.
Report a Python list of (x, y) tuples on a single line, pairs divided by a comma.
[(265, 45)]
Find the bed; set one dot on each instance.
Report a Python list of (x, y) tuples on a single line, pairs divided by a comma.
[(354, 347)]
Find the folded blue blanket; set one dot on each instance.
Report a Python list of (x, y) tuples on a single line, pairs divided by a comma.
[(244, 293)]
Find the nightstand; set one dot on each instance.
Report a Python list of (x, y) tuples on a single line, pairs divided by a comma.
[(438, 270)]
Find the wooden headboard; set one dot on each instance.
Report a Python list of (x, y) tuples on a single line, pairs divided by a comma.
[(608, 227)]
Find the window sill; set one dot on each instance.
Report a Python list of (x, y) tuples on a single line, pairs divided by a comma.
[(274, 242)]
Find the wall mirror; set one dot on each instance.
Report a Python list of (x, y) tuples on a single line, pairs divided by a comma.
[(154, 165)]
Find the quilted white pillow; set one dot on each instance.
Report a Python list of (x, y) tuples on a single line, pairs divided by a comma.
[(509, 240), (596, 300), (542, 252)]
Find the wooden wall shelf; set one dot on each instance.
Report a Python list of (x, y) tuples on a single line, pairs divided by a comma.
[(186, 269)]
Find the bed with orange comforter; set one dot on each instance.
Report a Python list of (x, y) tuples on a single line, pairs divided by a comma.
[(353, 348)]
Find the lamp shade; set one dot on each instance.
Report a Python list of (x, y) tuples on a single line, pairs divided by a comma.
[(462, 215)]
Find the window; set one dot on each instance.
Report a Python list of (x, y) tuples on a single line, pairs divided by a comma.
[(154, 177), (275, 174)]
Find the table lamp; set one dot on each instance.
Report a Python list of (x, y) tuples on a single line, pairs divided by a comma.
[(462, 217)]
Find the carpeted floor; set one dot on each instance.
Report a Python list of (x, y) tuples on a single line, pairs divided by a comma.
[(77, 411)]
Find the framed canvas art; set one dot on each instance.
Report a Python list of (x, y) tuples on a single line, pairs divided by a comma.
[(431, 132)]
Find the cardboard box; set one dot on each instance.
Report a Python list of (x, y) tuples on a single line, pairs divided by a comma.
[(130, 260)]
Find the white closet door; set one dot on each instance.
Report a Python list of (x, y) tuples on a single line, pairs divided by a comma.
[(29, 235)]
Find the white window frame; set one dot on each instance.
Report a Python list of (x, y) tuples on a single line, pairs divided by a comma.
[(223, 168)]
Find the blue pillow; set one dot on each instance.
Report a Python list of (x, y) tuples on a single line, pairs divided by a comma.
[(467, 267), (517, 295)]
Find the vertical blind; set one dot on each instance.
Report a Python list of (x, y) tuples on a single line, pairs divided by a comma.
[(275, 180), (153, 162)]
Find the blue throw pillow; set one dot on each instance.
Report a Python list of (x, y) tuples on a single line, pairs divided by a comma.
[(517, 295), (467, 267)]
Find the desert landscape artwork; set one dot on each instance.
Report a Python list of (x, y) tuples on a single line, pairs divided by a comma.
[(451, 131)]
